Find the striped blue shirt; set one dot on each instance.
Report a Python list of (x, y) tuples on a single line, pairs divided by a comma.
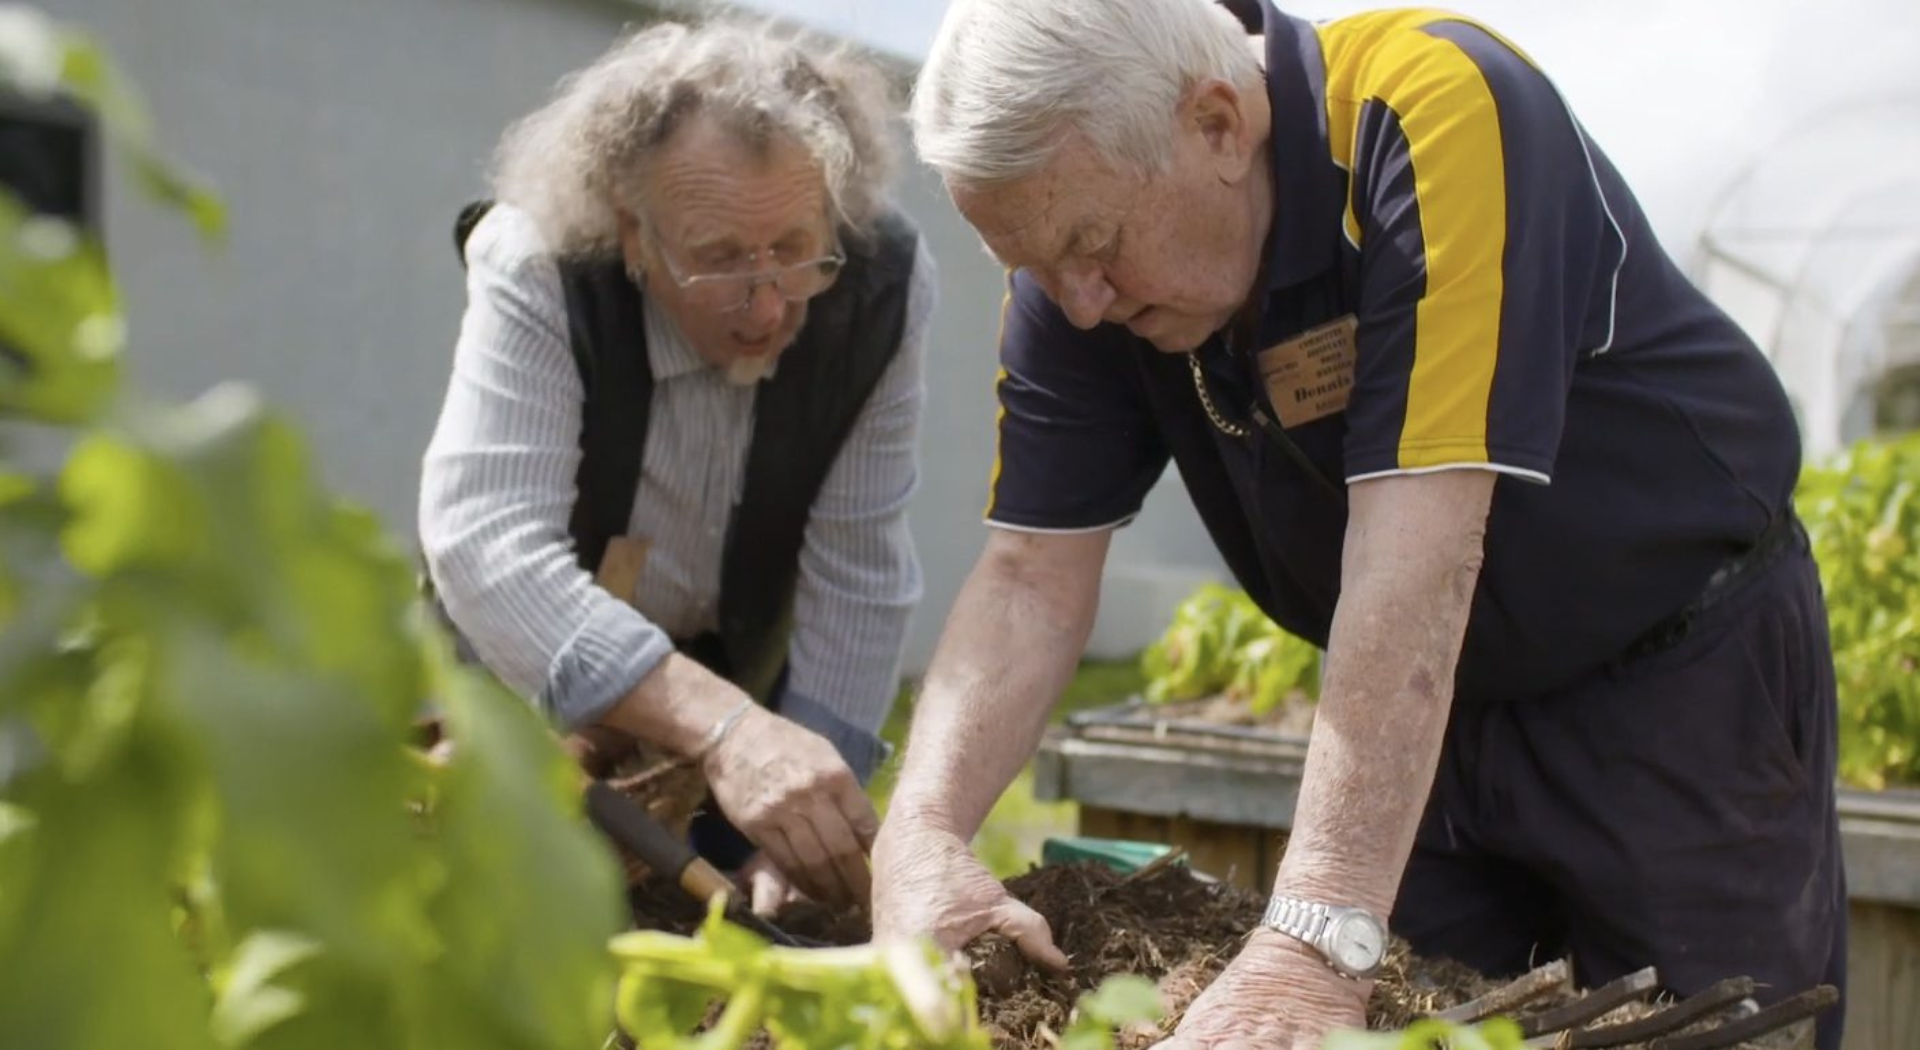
[(497, 489)]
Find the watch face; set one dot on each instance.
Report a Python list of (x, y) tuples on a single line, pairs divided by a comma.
[(1357, 942)]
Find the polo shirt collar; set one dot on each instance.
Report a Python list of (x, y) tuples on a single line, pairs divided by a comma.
[(1308, 188)]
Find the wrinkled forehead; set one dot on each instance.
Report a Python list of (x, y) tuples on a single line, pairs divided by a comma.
[(1013, 217), (707, 184), (1035, 218)]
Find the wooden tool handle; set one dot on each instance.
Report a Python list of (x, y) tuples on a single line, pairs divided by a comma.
[(704, 881)]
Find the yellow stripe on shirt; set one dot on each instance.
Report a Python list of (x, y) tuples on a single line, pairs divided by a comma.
[(1452, 128), (1000, 415)]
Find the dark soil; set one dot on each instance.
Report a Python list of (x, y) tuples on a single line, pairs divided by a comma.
[(1167, 926)]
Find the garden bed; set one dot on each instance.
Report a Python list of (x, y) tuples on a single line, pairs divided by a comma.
[(1167, 925)]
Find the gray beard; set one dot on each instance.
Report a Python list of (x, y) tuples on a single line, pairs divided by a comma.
[(746, 371)]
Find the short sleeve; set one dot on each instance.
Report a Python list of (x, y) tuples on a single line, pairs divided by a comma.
[(1488, 258), (1077, 450)]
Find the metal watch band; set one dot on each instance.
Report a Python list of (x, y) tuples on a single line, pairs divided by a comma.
[(1305, 920)]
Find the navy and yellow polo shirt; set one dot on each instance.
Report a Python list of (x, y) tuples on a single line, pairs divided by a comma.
[(1510, 310)]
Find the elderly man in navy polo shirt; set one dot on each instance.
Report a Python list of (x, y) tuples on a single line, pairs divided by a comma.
[(1448, 409)]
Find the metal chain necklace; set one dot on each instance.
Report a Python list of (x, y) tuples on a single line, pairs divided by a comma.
[(1232, 430)]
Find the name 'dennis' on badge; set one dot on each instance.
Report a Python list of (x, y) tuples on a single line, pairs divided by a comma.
[(1310, 376)]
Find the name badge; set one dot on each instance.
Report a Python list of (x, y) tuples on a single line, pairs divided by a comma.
[(1310, 376)]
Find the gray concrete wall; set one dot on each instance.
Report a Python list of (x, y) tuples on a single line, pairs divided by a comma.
[(343, 135)]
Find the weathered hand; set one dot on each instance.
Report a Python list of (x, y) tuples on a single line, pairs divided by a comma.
[(766, 887), (791, 794), (1276, 995), (928, 882)]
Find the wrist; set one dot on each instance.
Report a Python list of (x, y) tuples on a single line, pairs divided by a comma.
[(721, 729), (720, 744), (1319, 874), (1302, 969), (675, 706), (911, 817)]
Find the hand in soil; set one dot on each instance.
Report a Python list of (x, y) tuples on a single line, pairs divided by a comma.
[(793, 796), (767, 888), (1275, 995), (927, 881)]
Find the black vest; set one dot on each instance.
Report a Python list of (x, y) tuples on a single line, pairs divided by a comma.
[(802, 417)]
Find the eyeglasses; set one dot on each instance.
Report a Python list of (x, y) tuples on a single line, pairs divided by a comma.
[(731, 291)]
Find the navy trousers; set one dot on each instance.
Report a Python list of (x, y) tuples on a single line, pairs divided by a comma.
[(1674, 810)]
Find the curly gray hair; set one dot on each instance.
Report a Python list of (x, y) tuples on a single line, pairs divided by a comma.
[(573, 163)]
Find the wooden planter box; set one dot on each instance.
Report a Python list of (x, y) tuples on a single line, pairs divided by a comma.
[(1227, 794)]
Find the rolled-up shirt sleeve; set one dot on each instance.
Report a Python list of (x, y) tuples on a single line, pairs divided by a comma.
[(497, 488), (859, 575)]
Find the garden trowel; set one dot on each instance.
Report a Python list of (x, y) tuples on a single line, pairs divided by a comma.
[(627, 823)]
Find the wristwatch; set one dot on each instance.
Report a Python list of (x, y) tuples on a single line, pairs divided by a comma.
[(1352, 940)]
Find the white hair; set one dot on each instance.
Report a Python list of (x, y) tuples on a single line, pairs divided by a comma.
[(1008, 79), (573, 163)]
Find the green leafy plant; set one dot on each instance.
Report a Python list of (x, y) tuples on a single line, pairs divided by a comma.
[(886, 996), (1220, 642), (1863, 518), (213, 831), (726, 984), (1498, 1033), (1119, 1001)]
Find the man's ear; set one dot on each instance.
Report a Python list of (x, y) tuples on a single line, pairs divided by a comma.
[(1215, 111), (635, 257), (631, 242)]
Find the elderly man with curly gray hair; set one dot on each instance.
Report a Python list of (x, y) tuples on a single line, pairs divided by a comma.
[(695, 328)]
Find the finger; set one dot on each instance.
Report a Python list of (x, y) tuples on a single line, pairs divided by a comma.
[(857, 810), (812, 869), (766, 890), (779, 850), (1031, 934), (844, 851)]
